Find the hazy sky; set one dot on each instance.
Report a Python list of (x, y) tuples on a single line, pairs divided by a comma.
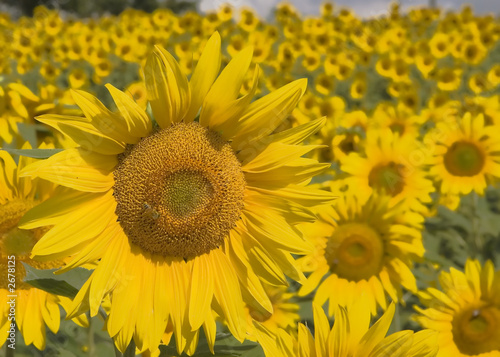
[(365, 8)]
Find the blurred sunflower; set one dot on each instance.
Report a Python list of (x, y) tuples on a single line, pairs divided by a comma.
[(466, 155), (34, 308), (350, 335), (182, 214), (392, 166), (361, 249), (466, 312), (285, 313)]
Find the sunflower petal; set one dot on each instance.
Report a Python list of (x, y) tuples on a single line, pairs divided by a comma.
[(167, 87), (204, 75), (224, 92), (264, 115), (137, 120), (76, 168), (84, 133), (102, 118)]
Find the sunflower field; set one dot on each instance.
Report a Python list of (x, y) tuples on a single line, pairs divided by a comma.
[(219, 184)]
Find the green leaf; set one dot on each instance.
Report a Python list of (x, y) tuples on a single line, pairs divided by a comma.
[(28, 133), (34, 153), (66, 284)]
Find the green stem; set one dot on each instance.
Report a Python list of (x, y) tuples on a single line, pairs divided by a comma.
[(476, 237), (9, 352), (90, 337)]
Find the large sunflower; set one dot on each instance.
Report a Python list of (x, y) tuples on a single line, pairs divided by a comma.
[(183, 213), (465, 155), (466, 312), (361, 248), (34, 308), (350, 336), (391, 166)]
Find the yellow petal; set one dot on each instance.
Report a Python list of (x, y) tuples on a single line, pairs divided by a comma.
[(83, 133), (376, 333), (137, 120), (102, 119), (264, 115), (202, 290), (204, 75), (167, 87), (224, 92), (227, 293), (275, 156), (76, 168)]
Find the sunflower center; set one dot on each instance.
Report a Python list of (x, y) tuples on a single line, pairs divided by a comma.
[(387, 178), (187, 192), (464, 159), (179, 191), (354, 251), (477, 330)]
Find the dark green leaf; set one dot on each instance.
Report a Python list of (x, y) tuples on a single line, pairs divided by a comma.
[(34, 153), (66, 284)]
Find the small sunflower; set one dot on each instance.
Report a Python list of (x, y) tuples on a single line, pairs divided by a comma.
[(465, 155), (466, 312), (361, 248), (183, 214), (285, 313), (34, 308), (392, 166), (350, 335)]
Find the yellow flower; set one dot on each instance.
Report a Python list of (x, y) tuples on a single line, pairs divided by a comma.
[(284, 315), (448, 78), (78, 78), (34, 308), (392, 166), (425, 63), (473, 52), (362, 248), (466, 312), (185, 215), (465, 155), (358, 86), (137, 91), (478, 83), (248, 20), (324, 84), (350, 335), (494, 75), (439, 45)]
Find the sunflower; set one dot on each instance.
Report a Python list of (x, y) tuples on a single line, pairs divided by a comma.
[(285, 312), (34, 308), (361, 248), (466, 312), (392, 166), (465, 155), (185, 215), (350, 335), (449, 79)]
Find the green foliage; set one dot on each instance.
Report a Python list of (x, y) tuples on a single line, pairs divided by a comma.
[(66, 284), (34, 153)]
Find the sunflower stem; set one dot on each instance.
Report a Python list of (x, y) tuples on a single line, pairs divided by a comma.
[(90, 337), (9, 352), (476, 237)]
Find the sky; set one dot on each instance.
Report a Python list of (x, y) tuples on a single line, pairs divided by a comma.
[(364, 8)]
